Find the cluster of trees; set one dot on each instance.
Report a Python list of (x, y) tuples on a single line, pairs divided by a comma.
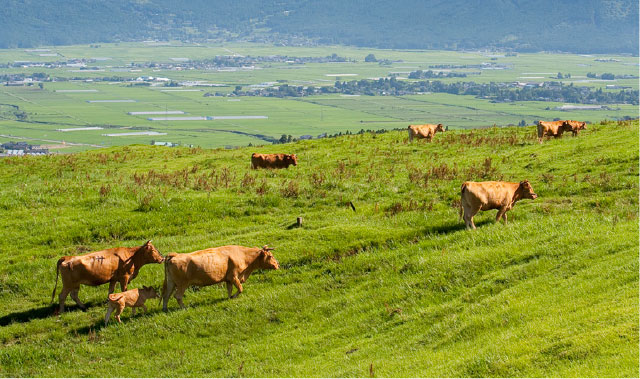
[(242, 61), (499, 92), (429, 74), (603, 76), (289, 138)]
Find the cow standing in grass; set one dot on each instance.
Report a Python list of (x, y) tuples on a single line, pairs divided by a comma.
[(553, 129), (229, 264), (576, 126), (484, 196), (426, 131), (273, 160), (115, 265)]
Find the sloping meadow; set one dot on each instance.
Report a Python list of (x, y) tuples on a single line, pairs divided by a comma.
[(380, 279)]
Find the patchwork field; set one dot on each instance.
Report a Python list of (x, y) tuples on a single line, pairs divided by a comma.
[(82, 102), (396, 288)]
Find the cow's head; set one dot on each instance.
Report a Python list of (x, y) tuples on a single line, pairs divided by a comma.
[(292, 159), (566, 126), (267, 260), (439, 128), (582, 125), (149, 292), (526, 190), (150, 254)]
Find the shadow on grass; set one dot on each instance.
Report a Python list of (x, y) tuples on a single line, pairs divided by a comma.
[(454, 227), (127, 317), (37, 313)]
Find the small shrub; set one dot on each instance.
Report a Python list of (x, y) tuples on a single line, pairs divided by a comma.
[(291, 189)]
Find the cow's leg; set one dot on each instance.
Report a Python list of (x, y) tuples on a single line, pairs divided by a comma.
[(109, 310), (469, 212), (501, 213), (504, 217), (112, 286), (119, 309), (238, 285), (465, 215), (179, 294), (144, 309), (62, 297), (229, 289), (74, 296), (171, 286), (472, 212), (123, 283)]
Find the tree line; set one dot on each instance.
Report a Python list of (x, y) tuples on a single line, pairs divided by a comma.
[(497, 92)]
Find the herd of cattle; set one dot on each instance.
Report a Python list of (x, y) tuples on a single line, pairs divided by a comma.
[(234, 264)]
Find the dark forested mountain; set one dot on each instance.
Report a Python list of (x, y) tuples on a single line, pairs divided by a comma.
[(567, 25)]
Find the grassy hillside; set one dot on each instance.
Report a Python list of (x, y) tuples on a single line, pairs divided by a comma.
[(396, 288)]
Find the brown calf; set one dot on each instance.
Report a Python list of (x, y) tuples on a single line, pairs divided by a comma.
[(115, 265), (424, 131), (132, 298), (483, 196), (230, 264), (273, 160), (576, 126)]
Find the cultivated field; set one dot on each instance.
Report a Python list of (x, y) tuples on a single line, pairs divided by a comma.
[(397, 287), (82, 102)]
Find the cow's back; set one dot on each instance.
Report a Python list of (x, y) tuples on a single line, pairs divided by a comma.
[(90, 269), (202, 267)]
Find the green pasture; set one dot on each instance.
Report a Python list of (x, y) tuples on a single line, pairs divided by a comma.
[(49, 111), (526, 67), (396, 288)]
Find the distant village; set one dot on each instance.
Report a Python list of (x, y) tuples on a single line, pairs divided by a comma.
[(13, 149)]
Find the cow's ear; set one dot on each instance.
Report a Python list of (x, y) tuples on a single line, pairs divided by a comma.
[(148, 243)]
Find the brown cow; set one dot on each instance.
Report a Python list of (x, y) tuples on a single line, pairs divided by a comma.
[(230, 264), (115, 265), (273, 160), (576, 126), (132, 298), (483, 196), (552, 129), (424, 131)]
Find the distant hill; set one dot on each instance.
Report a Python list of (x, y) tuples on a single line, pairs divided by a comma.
[(589, 26)]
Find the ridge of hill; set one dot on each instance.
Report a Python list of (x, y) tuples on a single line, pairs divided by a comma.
[(553, 25), (397, 287)]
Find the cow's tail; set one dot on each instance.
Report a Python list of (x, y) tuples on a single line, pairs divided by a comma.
[(410, 133), (462, 189), (57, 274)]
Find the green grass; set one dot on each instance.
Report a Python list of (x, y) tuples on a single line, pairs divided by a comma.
[(399, 286)]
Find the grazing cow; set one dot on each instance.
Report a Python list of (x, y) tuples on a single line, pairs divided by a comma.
[(132, 298), (424, 131), (115, 265), (273, 160), (230, 264), (483, 196), (575, 126), (552, 129)]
